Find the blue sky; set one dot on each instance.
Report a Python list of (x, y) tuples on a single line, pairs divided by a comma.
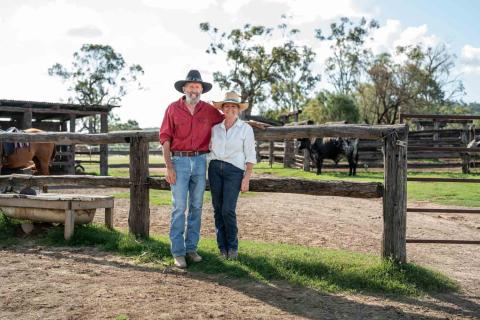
[(163, 37)]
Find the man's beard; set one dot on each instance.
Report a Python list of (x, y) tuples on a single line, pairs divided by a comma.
[(192, 99)]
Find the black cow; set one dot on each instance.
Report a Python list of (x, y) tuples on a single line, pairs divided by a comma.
[(334, 149)]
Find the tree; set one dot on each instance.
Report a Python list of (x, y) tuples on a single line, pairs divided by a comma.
[(281, 72), (98, 75), (117, 125), (415, 80), (349, 55), (328, 106)]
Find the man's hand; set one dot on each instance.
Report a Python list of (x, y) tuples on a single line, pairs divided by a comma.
[(245, 184), (171, 176)]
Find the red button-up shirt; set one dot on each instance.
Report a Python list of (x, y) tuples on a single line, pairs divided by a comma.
[(187, 132)]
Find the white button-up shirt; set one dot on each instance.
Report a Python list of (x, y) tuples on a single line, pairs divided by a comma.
[(235, 146)]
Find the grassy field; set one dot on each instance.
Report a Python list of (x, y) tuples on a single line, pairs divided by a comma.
[(462, 194), (316, 268)]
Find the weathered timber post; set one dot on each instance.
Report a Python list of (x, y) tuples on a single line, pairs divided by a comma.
[(104, 147), (27, 119), (288, 155), (72, 146), (271, 153), (139, 215), (395, 197), (306, 160), (465, 141), (258, 145), (436, 127)]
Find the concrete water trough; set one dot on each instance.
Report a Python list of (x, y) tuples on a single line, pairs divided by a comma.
[(57, 208)]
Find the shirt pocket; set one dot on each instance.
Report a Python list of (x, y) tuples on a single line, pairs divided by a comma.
[(204, 123), (182, 127)]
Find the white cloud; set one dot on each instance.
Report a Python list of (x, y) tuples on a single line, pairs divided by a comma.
[(233, 6), (470, 59), (304, 11), (183, 5), (393, 34), (414, 35)]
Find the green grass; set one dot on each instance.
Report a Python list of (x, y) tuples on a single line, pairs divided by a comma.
[(462, 194), (315, 268), (8, 229)]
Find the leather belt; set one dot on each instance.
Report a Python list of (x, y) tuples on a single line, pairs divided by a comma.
[(188, 153)]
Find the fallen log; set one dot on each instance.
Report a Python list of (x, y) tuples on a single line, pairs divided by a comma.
[(277, 185)]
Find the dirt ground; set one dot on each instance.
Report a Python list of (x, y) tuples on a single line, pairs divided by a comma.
[(83, 283)]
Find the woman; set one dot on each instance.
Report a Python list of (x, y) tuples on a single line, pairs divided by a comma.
[(232, 156)]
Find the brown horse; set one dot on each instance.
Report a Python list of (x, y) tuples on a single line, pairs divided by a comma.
[(39, 152)]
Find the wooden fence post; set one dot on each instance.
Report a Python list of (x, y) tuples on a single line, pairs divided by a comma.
[(288, 155), (395, 198), (465, 156), (139, 215), (271, 153), (258, 144), (104, 147), (306, 160)]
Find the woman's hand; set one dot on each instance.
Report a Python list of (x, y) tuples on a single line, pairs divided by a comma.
[(245, 184)]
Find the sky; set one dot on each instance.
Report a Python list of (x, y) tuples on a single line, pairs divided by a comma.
[(165, 39)]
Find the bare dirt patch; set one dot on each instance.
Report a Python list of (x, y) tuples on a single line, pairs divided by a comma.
[(52, 283)]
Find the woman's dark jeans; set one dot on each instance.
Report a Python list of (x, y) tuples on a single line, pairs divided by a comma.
[(225, 180)]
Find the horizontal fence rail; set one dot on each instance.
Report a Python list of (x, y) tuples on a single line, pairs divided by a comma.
[(279, 185), (268, 134), (444, 241), (444, 210)]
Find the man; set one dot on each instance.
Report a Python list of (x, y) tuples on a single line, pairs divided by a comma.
[(185, 136)]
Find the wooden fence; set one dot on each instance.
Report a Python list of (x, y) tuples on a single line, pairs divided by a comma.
[(370, 152), (393, 191)]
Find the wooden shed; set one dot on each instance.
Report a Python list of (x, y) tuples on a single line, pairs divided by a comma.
[(53, 116)]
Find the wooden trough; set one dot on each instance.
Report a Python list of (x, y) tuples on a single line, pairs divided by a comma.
[(57, 208)]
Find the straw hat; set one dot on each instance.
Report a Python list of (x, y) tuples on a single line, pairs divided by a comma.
[(231, 97)]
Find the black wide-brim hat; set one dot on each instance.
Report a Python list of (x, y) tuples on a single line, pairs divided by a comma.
[(193, 76)]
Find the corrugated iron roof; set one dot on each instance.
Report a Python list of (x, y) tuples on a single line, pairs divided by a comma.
[(54, 105)]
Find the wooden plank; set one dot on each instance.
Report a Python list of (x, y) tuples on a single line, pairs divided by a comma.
[(443, 241), (139, 214), (444, 149), (109, 218), (444, 210), (48, 111), (439, 116), (456, 180), (20, 180), (395, 200), (92, 204), (282, 185), (33, 203), (69, 223)]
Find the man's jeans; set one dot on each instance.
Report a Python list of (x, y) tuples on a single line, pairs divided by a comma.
[(225, 181), (189, 186)]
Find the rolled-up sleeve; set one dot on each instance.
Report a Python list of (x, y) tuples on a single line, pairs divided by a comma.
[(249, 146), (166, 130)]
